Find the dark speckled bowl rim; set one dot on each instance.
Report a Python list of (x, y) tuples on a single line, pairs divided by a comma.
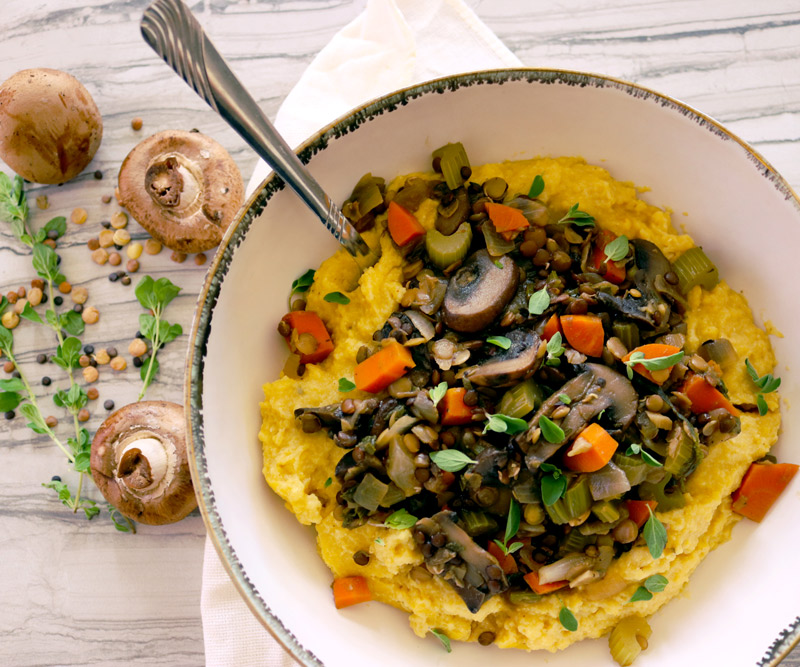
[(207, 299)]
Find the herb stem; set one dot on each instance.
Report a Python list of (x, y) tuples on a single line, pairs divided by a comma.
[(78, 493), (156, 346)]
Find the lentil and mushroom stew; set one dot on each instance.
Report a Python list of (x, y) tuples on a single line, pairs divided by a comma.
[(539, 438)]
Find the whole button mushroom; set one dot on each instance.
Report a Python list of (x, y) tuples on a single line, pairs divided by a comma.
[(139, 462), (183, 188), (479, 291), (50, 127)]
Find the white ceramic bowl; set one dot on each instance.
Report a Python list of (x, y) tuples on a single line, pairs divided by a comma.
[(741, 606)]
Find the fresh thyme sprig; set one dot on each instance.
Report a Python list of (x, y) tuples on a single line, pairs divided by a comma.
[(155, 295)]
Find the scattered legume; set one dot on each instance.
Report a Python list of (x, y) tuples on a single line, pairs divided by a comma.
[(152, 247), (12, 297), (132, 266), (9, 415), (118, 363), (178, 257), (78, 308), (90, 315), (42, 203), (35, 296), (65, 287), (10, 319), (92, 393), (200, 258), (106, 238), (19, 306), (136, 124), (84, 360), (50, 243), (115, 259), (51, 421), (58, 300), (79, 295), (83, 415), (41, 358), (106, 199), (121, 237), (134, 250), (125, 280), (78, 216), (90, 374), (137, 347), (108, 404), (8, 366), (102, 356), (100, 256), (93, 244), (46, 381), (119, 220)]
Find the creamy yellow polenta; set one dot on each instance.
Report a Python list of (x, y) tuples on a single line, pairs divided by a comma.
[(297, 465)]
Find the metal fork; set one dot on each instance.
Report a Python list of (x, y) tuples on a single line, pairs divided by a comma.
[(174, 34)]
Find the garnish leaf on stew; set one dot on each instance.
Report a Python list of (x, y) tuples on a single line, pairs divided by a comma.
[(655, 534), (437, 393), (500, 341), (346, 385), (654, 364), (580, 218), (442, 638), (539, 302), (451, 460), (617, 249), (551, 431), (537, 187), (504, 424), (400, 520), (336, 297)]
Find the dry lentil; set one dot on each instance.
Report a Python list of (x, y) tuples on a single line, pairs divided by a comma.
[(152, 247), (50, 243), (84, 361), (115, 259), (90, 315), (200, 258), (106, 238), (178, 257), (12, 297), (19, 306), (78, 216), (35, 296), (137, 347), (41, 358), (65, 287), (93, 244), (51, 421), (92, 393), (361, 557), (108, 404), (102, 356), (125, 280), (8, 367), (83, 415), (42, 203), (98, 174), (106, 199), (100, 256), (136, 124), (79, 295), (46, 381), (132, 266), (122, 237), (10, 319), (134, 250), (78, 308), (119, 220), (10, 414), (118, 363), (90, 374)]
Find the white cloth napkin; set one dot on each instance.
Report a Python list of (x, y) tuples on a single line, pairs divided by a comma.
[(392, 44)]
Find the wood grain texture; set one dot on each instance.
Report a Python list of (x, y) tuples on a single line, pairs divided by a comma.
[(77, 592)]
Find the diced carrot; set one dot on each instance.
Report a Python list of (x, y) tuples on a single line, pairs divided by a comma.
[(403, 225), (591, 450), (506, 220), (377, 372), (552, 327), (348, 591), (761, 486), (308, 322), (453, 410), (704, 397), (638, 511), (532, 579), (506, 562), (653, 351), (584, 333), (613, 271)]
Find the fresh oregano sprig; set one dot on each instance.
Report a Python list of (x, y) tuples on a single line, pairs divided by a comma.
[(512, 527), (155, 295), (766, 385)]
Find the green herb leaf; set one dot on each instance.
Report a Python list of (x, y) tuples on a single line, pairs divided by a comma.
[(442, 638), (500, 423), (654, 364), (498, 264), (766, 383), (656, 583), (655, 534), (617, 250), (554, 349), (633, 450), (761, 403), (72, 323), (379, 540), (346, 385), (12, 384), (68, 353), (121, 522), (649, 460), (36, 422), (400, 520), (336, 297), (45, 262), (165, 291), (144, 293), (553, 488), (147, 325), (303, 283), (28, 313), (641, 594), (551, 431), (567, 619), (169, 332), (451, 460), (9, 400), (515, 547), (143, 371), (566, 400), (537, 187), (14, 206), (539, 302), (512, 522), (437, 393), (580, 218), (500, 341), (550, 468), (6, 337), (328, 482), (58, 225)]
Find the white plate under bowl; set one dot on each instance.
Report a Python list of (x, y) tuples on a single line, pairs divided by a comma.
[(741, 607)]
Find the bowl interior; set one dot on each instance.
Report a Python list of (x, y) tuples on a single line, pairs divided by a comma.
[(722, 193)]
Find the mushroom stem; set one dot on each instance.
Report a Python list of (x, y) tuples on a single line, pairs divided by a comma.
[(143, 463)]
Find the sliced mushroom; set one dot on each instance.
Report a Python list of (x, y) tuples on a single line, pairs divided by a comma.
[(649, 308), (140, 465), (470, 570), (479, 291), (506, 367), (452, 214), (183, 188), (596, 389)]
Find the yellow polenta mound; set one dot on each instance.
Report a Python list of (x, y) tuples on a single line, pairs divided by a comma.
[(297, 465)]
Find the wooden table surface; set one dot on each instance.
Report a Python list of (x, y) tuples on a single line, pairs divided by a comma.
[(80, 593)]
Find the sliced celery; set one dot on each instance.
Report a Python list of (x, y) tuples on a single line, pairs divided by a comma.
[(578, 498), (453, 158), (444, 250), (627, 639), (521, 400), (523, 597), (477, 523), (628, 333), (557, 512), (667, 500), (606, 511), (574, 542), (694, 268), (681, 454)]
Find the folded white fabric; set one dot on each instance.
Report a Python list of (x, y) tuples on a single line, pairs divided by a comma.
[(392, 44)]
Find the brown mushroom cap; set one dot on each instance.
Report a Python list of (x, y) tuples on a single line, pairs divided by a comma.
[(183, 188), (50, 127), (139, 462)]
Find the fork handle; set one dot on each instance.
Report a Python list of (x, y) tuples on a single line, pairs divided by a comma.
[(175, 34)]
